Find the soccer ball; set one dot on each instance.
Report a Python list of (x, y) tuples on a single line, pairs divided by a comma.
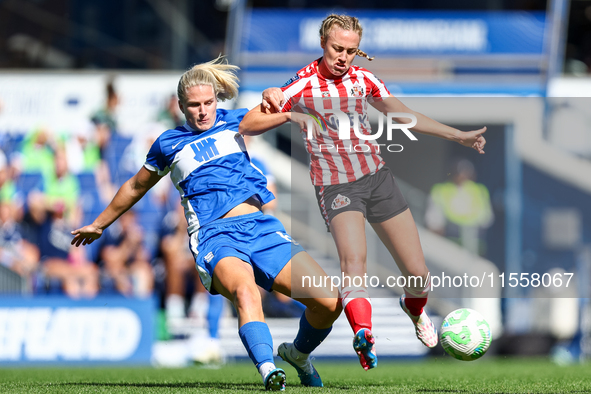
[(465, 334)]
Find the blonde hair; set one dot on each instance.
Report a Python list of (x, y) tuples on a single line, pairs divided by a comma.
[(217, 73), (345, 22)]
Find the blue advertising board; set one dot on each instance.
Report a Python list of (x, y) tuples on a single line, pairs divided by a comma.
[(59, 330), (402, 33)]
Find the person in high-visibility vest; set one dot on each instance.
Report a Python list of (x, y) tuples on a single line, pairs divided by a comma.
[(460, 209)]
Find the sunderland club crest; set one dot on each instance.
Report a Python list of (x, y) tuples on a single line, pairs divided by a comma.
[(340, 201), (357, 91)]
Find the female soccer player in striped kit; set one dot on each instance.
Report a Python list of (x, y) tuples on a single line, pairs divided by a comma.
[(353, 185), (236, 247)]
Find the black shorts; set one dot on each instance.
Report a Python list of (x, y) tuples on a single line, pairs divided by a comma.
[(377, 196)]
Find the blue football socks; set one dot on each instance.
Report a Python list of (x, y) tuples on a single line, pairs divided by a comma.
[(257, 340), (308, 337), (214, 312)]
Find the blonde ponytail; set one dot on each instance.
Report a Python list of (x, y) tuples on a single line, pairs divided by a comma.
[(365, 55), (217, 73)]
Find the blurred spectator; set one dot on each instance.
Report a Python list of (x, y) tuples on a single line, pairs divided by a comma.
[(461, 209), (126, 260), (180, 269), (8, 190), (108, 114), (62, 188), (105, 119), (84, 156), (81, 148), (37, 152), (54, 212), (60, 192), (60, 261), (15, 252), (171, 116)]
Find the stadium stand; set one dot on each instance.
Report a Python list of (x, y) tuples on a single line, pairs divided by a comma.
[(112, 156)]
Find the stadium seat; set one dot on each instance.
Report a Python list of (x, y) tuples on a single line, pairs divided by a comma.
[(113, 155), (29, 181), (93, 250), (149, 216), (42, 285), (89, 195), (10, 142), (87, 180)]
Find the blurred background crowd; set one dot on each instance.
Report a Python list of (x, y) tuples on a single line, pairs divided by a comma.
[(52, 182), (87, 86)]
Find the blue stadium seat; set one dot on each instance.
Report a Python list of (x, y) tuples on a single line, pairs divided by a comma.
[(10, 142), (92, 250), (90, 202), (29, 181), (89, 194), (43, 285), (87, 181), (113, 154), (149, 216), (89, 199)]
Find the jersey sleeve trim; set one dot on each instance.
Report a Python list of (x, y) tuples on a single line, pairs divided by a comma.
[(151, 168)]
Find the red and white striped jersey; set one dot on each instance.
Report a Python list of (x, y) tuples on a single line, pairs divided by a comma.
[(334, 160)]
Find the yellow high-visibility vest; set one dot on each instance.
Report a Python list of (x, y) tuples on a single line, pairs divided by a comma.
[(465, 205)]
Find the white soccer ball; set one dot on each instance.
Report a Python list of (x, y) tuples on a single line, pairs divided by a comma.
[(465, 334)]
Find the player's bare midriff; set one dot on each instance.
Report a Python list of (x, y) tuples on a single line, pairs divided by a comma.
[(251, 205)]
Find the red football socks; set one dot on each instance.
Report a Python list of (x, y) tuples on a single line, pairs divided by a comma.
[(357, 306), (414, 305)]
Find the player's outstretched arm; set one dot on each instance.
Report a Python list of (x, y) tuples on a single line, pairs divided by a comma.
[(269, 115), (130, 193), (425, 125), (260, 119), (473, 139)]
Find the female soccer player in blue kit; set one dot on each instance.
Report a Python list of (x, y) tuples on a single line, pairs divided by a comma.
[(236, 247)]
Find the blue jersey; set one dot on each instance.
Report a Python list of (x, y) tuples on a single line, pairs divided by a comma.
[(211, 169)]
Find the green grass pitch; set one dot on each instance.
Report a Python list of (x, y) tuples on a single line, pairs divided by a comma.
[(492, 375)]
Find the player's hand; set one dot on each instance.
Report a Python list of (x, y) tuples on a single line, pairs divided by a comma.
[(304, 120), (474, 139), (86, 235), (273, 99)]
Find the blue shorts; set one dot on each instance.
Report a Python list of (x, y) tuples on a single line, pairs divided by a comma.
[(258, 239)]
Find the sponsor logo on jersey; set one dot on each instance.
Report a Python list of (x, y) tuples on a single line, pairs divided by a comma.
[(205, 149), (325, 94), (340, 202), (291, 80)]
